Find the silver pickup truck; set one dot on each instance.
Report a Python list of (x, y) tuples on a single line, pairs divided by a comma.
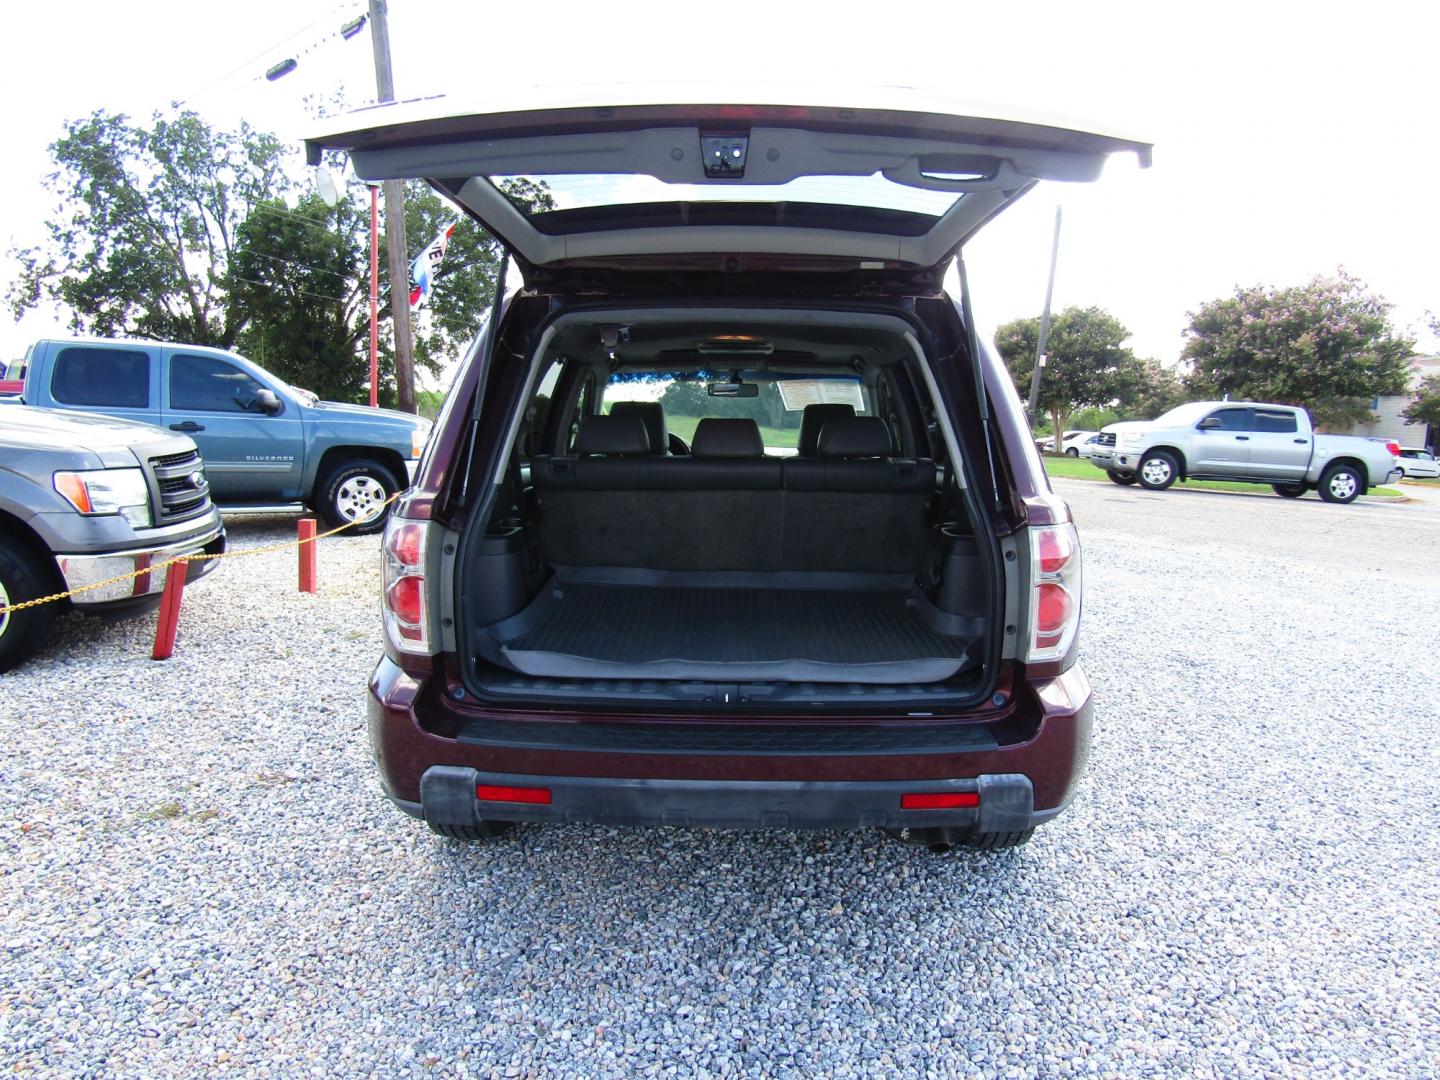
[(86, 498), (1245, 440)]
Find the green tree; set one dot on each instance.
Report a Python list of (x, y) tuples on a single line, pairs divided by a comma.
[(1087, 363), (1326, 345), (1150, 389), (1425, 409), (146, 224)]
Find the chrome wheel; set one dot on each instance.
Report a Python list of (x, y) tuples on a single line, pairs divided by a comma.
[(360, 498), (1156, 471), (5, 603), (1343, 485)]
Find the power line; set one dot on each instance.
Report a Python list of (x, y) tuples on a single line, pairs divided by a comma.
[(297, 262), (293, 288), (329, 13)]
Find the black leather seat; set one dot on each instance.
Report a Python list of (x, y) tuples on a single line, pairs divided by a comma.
[(652, 415), (813, 421), (606, 457), (855, 455), (727, 454)]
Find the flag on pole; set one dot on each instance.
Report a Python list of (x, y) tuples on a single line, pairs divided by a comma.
[(427, 265)]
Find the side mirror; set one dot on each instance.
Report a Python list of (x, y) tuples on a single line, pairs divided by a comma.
[(267, 401), (1210, 423)]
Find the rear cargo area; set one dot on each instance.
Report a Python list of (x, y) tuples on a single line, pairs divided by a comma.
[(624, 623)]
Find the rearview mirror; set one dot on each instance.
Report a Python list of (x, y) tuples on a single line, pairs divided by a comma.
[(1210, 423), (733, 389), (267, 402)]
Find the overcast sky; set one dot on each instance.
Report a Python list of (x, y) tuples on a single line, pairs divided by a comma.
[(1290, 139)]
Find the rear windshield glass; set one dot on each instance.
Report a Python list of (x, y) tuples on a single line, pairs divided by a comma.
[(777, 407), (586, 191)]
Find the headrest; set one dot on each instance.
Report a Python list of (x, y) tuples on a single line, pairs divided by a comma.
[(612, 435), (813, 421), (727, 437), (856, 437), (652, 415)]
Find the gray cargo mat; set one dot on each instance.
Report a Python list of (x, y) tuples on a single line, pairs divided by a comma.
[(719, 627)]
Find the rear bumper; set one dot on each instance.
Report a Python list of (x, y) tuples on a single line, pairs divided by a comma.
[(654, 777), (1005, 803)]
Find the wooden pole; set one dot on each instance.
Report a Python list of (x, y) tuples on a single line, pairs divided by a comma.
[(307, 554), (168, 621)]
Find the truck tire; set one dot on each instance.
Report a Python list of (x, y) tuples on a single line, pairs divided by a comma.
[(939, 839), (23, 577), (486, 830), (356, 490), (1158, 470), (1341, 484), (997, 841), (1124, 479), (1289, 491)]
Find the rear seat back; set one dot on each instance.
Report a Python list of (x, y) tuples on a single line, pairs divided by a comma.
[(728, 507), (813, 421)]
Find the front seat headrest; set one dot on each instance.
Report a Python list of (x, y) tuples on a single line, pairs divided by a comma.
[(856, 437), (611, 435), (652, 415), (813, 421), (728, 437)]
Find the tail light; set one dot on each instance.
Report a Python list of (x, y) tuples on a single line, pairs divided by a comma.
[(1393, 447), (1055, 595), (403, 582)]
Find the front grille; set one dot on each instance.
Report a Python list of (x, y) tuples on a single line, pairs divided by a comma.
[(1107, 438), (180, 481)]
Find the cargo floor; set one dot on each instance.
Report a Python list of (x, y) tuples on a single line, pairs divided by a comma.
[(791, 627)]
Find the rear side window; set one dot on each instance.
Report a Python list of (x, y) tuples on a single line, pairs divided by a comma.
[(209, 384), (1273, 421), (118, 378), (1233, 419)]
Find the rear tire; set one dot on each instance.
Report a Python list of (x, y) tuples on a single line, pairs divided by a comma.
[(356, 490), (23, 577), (486, 830), (1289, 491), (1158, 470), (1341, 484), (997, 841), (1124, 479), (1072, 452)]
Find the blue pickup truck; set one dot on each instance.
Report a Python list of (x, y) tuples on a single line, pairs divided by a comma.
[(264, 442)]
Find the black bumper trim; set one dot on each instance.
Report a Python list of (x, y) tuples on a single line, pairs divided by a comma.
[(447, 797)]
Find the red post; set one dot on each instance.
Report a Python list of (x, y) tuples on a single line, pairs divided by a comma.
[(307, 554), (374, 296), (169, 618)]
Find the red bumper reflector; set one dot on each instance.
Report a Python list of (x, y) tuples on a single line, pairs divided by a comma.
[(498, 793), (940, 800)]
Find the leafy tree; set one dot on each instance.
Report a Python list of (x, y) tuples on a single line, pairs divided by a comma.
[(1087, 362), (147, 221), (1150, 390), (1326, 345), (1425, 409)]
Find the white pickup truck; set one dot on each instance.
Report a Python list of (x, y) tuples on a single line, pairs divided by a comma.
[(1245, 440)]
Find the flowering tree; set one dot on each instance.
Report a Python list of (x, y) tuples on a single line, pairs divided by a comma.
[(1326, 345)]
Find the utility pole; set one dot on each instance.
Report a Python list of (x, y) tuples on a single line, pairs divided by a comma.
[(395, 225), (1044, 331)]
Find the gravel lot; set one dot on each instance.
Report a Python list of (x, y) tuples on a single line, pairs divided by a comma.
[(199, 872)]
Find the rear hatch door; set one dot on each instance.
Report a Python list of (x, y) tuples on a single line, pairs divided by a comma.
[(884, 181)]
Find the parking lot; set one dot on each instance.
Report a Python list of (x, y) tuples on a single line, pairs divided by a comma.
[(200, 872)]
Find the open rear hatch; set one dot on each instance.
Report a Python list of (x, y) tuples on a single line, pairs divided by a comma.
[(893, 182)]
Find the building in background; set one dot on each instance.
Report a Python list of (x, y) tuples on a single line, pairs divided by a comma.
[(1389, 424)]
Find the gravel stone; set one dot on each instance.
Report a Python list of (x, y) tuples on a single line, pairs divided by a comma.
[(198, 872)]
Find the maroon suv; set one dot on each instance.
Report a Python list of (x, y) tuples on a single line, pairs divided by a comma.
[(729, 518)]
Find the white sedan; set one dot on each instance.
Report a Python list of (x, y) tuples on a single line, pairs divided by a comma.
[(1080, 443)]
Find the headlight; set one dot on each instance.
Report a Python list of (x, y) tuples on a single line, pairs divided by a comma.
[(108, 491), (1132, 437)]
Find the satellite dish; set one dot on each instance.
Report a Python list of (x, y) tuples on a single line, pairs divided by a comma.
[(326, 187)]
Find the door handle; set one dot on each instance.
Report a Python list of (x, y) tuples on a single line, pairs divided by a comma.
[(1242, 438), (188, 425), (1301, 442)]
